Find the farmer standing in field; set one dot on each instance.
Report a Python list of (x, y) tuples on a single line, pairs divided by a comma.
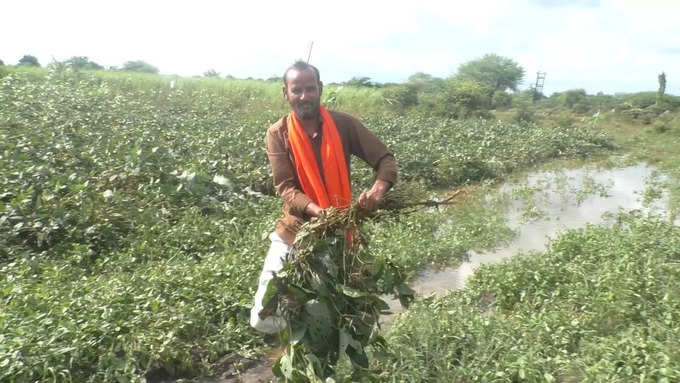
[(309, 152)]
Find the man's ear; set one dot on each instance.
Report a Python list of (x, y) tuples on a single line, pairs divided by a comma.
[(320, 88), (285, 94)]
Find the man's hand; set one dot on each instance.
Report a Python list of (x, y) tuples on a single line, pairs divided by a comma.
[(369, 200), (313, 210)]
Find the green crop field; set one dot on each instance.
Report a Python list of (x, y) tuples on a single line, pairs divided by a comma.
[(134, 220)]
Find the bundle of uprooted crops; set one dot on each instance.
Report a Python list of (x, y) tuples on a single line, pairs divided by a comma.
[(329, 293)]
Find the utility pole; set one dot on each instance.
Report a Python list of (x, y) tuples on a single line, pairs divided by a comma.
[(538, 88), (311, 44)]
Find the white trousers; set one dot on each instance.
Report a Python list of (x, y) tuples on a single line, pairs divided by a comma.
[(273, 263)]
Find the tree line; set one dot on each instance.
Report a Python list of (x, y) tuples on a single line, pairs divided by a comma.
[(83, 62)]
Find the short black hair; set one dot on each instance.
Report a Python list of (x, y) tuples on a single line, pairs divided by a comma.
[(300, 66)]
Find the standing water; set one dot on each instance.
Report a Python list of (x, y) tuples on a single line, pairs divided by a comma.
[(548, 203)]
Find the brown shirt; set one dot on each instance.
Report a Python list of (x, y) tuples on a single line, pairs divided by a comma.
[(356, 140)]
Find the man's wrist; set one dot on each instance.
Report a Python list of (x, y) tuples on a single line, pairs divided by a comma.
[(381, 187)]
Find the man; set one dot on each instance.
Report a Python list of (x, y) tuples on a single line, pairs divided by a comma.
[(309, 152)]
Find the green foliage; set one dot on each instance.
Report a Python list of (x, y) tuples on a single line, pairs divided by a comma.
[(29, 60), (465, 98), (461, 152), (500, 99), (360, 82), (666, 122), (427, 83), (496, 72), (401, 97), (212, 73), (132, 216), (600, 305), (82, 62), (641, 99), (524, 113), (329, 295), (139, 66), (573, 98), (662, 85), (130, 232)]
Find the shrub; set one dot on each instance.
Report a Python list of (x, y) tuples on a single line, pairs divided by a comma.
[(82, 62), (641, 99), (140, 66), (466, 98), (573, 97), (401, 97), (29, 60), (524, 113), (500, 99), (665, 122)]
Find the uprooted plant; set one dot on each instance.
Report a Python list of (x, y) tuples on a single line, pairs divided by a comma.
[(329, 294)]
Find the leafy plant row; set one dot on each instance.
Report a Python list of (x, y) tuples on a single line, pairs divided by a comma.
[(601, 305), (133, 217)]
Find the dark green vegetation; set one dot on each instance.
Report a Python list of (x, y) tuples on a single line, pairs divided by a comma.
[(133, 217), (601, 305), (329, 295)]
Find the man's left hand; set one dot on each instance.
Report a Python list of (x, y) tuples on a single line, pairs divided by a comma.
[(369, 200)]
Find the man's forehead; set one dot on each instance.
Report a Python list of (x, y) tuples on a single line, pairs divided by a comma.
[(300, 75)]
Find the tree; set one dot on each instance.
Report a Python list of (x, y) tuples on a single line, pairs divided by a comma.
[(497, 72), (211, 73), (2, 63), (360, 81), (662, 84), (574, 98), (466, 98), (424, 82), (401, 97), (139, 66), (82, 62), (29, 60)]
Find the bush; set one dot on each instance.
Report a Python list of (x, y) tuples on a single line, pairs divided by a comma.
[(500, 99), (140, 66), (82, 62), (665, 122), (641, 99), (401, 97), (29, 60), (466, 98), (524, 113), (573, 97)]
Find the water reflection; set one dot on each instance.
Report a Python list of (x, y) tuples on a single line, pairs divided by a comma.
[(551, 202)]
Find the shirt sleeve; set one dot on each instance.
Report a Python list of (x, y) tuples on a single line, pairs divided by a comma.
[(365, 145), (285, 177)]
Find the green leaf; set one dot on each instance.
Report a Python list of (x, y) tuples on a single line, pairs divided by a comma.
[(351, 292)]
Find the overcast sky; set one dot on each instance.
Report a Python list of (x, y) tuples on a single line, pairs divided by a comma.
[(609, 46)]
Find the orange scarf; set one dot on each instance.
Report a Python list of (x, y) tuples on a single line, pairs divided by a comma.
[(336, 191)]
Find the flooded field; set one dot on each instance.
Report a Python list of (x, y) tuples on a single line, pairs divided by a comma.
[(548, 203)]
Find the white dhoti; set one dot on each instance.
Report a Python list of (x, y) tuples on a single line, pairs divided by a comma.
[(273, 263)]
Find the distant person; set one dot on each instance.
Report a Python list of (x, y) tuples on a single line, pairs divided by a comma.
[(309, 152)]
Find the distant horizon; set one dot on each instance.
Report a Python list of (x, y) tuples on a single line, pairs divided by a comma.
[(334, 83), (609, 46)]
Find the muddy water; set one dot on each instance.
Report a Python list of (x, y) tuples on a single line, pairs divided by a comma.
[(548, 203)]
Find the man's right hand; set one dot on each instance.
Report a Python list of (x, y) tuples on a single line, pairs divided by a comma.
[(313, 210)]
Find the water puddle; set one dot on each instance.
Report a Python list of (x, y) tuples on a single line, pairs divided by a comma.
[(548, 203)]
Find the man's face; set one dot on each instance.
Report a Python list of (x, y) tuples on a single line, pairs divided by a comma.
[(303, 92)]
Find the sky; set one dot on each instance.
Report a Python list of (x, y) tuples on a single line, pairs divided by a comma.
[(609, 46)]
